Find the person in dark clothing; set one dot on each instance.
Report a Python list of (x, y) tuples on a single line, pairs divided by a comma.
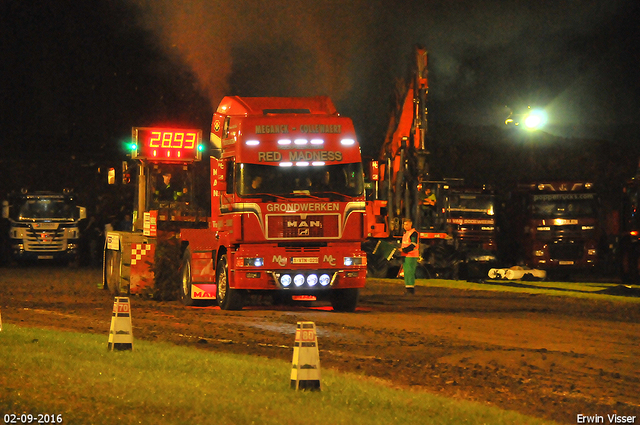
[(165, 192)]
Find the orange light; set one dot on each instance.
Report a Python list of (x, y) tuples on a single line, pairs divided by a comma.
[(303, 297), (633, 233)]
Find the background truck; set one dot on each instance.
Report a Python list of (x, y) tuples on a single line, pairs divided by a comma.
[(43, 225), (556, 226), (456, 224), (287, 206), (629, 242)]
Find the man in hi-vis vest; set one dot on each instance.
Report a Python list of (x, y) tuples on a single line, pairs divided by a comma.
[(411, 252)]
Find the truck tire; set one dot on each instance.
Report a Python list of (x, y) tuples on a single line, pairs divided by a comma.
[(344, 300), (185, 287), (377, 267), (228, 298), (113, 263)]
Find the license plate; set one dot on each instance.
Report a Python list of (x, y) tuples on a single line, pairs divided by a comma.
[(565, 263), (304, 260), (45, 257)]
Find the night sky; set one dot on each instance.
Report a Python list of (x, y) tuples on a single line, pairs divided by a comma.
[(76, 76)]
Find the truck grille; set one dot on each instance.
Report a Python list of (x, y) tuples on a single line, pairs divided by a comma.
[(302, 226), (566, 250), (45, 240)]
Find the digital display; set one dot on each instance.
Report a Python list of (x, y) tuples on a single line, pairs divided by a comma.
[(166, 145)]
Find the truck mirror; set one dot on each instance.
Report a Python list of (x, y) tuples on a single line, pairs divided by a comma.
[(82, 213), (374, 171), (5, 209)]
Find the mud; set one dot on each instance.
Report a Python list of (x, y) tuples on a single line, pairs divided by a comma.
[(549, 357)]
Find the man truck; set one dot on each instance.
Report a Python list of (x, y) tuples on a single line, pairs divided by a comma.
[(287, 209)]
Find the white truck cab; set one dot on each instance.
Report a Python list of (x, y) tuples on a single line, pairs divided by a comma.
[(43, 225)]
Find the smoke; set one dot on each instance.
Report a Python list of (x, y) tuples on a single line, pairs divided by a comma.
[(483, 55), (279, 47)]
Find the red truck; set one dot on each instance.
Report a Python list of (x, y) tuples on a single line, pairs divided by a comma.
[(287, 207), (558, 225)]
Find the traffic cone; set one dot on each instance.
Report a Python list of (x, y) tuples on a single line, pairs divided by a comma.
[(120, 333), (305, 367)]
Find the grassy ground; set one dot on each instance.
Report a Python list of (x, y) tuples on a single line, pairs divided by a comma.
[(592, 290), (74, 375)]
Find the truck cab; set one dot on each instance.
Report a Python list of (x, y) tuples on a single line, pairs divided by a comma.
[(287, 206), (43, 225), (558, 225)]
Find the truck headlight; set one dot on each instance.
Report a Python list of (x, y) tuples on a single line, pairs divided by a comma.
[(249, 262), (312, 279), (538, 253), (355, 261), (285, 280), (72, 232), (325, 279)]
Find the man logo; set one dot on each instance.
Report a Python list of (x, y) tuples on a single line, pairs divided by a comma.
[(303, 232), (280, 260)]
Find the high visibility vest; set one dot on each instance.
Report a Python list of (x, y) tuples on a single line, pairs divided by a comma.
[(406, 241)]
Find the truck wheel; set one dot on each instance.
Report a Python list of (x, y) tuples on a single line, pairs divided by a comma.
[(185, 287), (228, 298), (112, 271), (378, 268), (344, 300)]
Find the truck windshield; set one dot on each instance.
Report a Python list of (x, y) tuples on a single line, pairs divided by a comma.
[(326, 181), (43, 208), (568, 205), (471, 203)]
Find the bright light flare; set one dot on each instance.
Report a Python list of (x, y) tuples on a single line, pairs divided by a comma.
[(535, 120)]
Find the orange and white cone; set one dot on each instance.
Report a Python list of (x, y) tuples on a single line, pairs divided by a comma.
[(305, 367), (120, 333)]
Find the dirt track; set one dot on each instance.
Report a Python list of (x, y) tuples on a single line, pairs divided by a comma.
[(548, 357)]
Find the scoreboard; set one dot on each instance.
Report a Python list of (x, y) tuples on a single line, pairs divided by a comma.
[(166, 144)]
